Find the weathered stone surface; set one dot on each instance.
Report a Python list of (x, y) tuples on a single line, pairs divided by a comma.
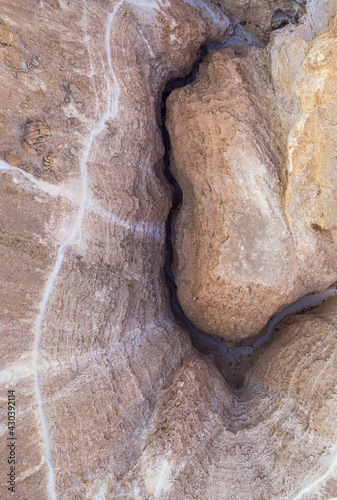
[(35, 134), (312, 190), (113, 401), (9, 54), (255, 230), (260, 17), (272, 438)]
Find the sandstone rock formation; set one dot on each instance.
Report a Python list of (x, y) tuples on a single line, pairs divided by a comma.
[(113, 401), (256, 229)]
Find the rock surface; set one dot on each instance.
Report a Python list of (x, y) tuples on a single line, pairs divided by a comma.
[(273, 438), (113, 401), (260, 17), (256, 228), (83, 209)]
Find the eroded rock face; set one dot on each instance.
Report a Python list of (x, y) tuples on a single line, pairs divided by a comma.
[(273, 438), (260, 17), (113, 401), (312, 191), (256, 227)]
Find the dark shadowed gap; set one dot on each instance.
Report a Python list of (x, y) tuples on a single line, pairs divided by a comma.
[(177, 195), (205, 345)]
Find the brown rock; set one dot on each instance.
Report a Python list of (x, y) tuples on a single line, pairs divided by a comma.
[(6, 34), (35, 133), (53, 3), (75, 92), (9, 53), (271, 438), (112, 399), (95, 236), (12, 160), (11, 58)]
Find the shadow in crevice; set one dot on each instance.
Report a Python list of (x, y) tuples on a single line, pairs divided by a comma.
[(177, 195)]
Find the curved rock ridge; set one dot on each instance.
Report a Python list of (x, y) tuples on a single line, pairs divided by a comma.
[(255, 162), (273, 438), (112, 399)]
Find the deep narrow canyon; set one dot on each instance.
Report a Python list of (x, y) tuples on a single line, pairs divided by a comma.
[(168, 249)]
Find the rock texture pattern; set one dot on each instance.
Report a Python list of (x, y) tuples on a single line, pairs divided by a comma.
[(260, 17), (113, 400), (83, 209)]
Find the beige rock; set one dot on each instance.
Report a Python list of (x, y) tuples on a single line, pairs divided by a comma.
[(255, 230)]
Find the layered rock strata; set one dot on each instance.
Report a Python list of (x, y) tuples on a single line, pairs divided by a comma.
[(83, 209)]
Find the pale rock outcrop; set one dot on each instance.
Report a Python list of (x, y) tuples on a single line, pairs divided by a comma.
[(256, 165)]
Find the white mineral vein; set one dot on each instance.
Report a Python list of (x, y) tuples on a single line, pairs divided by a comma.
[(75, 238)]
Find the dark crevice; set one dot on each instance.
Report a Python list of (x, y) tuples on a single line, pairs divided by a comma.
[(290, 15), (177, 195), (231, 367)]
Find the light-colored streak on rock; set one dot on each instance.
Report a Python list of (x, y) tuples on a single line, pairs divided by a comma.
[(51, 189), (112, 110), (46, 441), (75, 238), (213, 15), (149, 228), (317, 481)]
